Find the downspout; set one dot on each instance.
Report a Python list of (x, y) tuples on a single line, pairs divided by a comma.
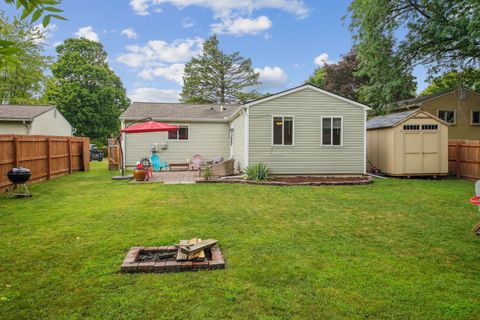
[(365, 143), (246, 138), (123, 146)]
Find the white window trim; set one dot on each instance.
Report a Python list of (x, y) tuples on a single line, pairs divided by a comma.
[(178, 140), (454, 116), (331, 131), (471, 118), (283, 132)]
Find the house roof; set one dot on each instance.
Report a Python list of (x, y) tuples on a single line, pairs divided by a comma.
[(179, 111), (303, 87), (394, 119), (417, 101), (21, 112)]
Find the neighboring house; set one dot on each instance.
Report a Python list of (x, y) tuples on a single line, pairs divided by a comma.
[(304, 130), (33, 120), (408, 143), (459, 108)]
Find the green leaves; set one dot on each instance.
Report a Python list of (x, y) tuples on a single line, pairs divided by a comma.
[(87, 92), (216, 77), (36, 8)]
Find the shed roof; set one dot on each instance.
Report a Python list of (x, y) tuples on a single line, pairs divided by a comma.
[(389, 120), (21, 112), (179, 111), (393, 119)]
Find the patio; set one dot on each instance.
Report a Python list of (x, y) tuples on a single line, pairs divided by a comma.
[(173, 177)]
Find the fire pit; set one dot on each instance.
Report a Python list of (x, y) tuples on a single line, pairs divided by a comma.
[(188, 255)]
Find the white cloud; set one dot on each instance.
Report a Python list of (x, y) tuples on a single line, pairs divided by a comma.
[(88, 33), (271, 77), (322, 60), (226, 7), (129, 33), (241, 26), (187, 23), (232, 15), (154, 95), (157, 52), (173, 72), (140, 6)]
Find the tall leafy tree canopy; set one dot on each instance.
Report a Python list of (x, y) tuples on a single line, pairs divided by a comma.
[(395, 35), (469, 78), (35, 9), (86, 90), (341, 78), (216, 77), (22, 82)]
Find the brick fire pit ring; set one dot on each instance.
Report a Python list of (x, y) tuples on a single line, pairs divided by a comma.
[(133, 264)]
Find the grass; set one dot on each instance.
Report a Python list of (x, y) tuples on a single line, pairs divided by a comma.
[(393, 249)]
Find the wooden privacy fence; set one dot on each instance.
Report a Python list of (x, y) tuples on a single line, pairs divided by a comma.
[(114, 157), (46, 156), (464, 158)]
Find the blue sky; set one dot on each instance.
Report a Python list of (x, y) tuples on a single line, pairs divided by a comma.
[(149, 41)]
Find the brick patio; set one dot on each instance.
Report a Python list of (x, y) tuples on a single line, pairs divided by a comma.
[(175, 177)]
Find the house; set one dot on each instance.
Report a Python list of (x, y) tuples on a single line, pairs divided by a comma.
[(408, 143), (300, 131), (33, 120), (460, 108)]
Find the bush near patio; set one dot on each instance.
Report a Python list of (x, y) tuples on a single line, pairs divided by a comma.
[(392, 249)]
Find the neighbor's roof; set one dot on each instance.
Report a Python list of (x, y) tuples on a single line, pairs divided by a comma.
[(389, 120), (179, 111), (417, 101), (21, 112)]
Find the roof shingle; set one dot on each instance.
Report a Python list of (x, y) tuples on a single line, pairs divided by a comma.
[(179, 111), (21, 112), (389, 120)]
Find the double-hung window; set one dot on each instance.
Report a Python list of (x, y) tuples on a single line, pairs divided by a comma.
[(180, 134), (332, 128), (448, 116), (475, 117), (282, 134)]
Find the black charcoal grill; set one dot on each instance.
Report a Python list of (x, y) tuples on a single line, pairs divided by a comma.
[(19, 177)]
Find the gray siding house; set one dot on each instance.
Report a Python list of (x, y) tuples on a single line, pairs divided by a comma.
[(300, 131), (33, 120)]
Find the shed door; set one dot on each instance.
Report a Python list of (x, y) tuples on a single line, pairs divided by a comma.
[(421, 151)]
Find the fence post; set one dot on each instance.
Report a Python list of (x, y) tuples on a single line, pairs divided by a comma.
[(69, 156), (17, 152), (458, 163), (49, 159), (86, 154)]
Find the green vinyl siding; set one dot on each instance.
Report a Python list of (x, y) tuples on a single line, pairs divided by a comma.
[(209, 139), (307, 155), (238, 126)]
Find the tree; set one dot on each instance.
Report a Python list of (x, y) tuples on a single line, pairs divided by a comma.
[(216, 77), (390, 76), (34, 9), (22, 82), (340, 78), (442, 34), (318, 77), (469, 78), (86, 90)]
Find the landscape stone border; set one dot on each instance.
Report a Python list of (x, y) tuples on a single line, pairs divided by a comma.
[(366, 180), (132, 265)]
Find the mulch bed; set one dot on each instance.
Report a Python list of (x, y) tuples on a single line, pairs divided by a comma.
[(300, 181)]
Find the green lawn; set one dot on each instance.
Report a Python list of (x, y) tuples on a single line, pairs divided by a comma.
[(393, 249)]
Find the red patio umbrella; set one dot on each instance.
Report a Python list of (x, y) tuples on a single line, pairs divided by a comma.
[(149, 126)]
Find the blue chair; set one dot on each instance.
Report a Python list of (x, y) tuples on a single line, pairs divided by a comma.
[(157, 164)]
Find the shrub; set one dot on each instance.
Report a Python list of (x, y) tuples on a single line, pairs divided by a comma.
[(207, 173), (257, 172)]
